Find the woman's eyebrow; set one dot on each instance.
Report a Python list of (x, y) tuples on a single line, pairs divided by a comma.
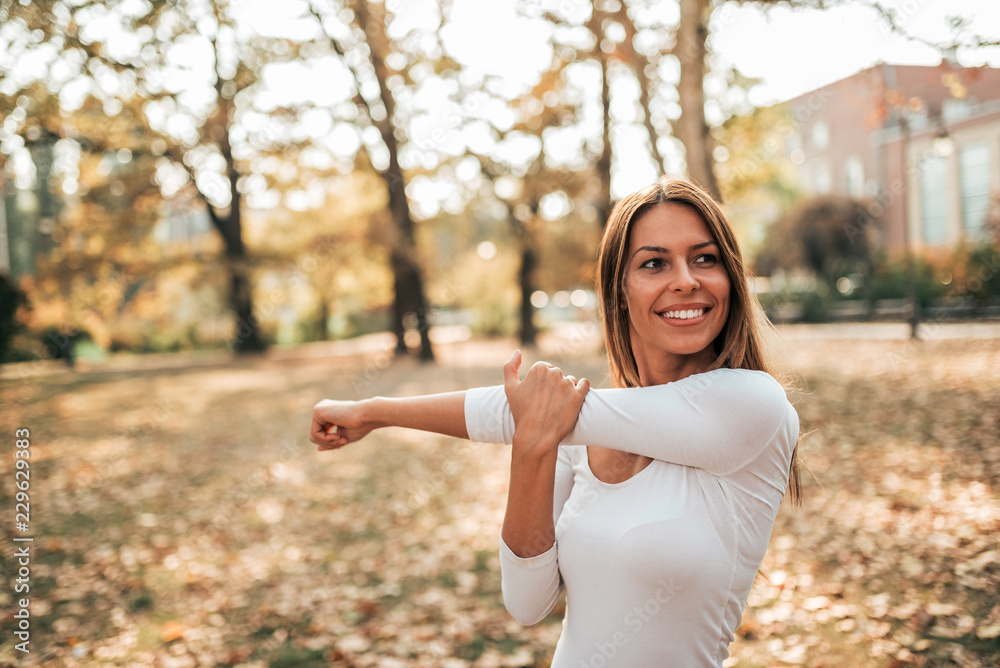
[(661, 249)]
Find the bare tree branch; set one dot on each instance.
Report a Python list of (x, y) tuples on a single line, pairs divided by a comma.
[(639, 62), (890, 16)]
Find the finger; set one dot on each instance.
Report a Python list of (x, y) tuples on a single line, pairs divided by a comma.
[(571, 379), (510, 371), (583, 386), (328, 441), (317, 433), (323, 433), (331, 442), (323, 447), (542, 369)]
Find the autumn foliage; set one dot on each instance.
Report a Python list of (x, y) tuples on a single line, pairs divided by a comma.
[(183, 519)]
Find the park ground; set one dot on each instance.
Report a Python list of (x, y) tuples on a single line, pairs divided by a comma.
[(181, 517)]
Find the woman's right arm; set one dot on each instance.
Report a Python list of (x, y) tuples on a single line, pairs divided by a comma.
[(337, 423), (544, 407)]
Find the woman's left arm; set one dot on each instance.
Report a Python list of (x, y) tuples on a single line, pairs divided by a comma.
[(718, 421)]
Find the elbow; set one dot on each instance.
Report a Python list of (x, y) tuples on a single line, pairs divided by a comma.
[(530, 586), (526, 614), (528, 608)]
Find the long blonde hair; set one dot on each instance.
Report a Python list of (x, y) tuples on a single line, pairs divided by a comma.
[(742, 343)]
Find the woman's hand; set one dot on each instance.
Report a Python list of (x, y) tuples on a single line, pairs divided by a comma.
[(337, 423), (545, 405)]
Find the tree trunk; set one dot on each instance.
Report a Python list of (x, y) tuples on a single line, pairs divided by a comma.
[(324, 315), (409, 299), (691, 128), (230, 227), (528, 332), (408, 283), (604, 161), (409, 286), (247, 338)]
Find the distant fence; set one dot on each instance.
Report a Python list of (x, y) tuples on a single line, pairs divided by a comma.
[(883, 310)]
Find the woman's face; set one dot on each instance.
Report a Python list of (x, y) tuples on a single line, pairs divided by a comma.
[(677, 293)]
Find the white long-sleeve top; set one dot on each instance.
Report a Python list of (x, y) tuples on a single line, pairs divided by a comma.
[(657, 569)]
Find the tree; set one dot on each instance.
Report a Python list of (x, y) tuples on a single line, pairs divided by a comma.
[(692, 128), (543, 107), (632, 39), (831, 236), (88, 216), (368, 39), (605, 52), (197, 128), (11, 299), (331, 251)]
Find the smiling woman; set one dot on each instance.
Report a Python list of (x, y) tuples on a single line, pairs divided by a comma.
[(649, 504), (676, 291)]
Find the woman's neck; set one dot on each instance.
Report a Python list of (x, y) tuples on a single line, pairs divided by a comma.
[(672, 368)]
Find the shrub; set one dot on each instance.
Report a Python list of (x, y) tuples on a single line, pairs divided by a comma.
[(889, 280), (976, 273)]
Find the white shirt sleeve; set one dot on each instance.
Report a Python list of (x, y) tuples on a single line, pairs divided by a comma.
[(531, 586), (718, 421)]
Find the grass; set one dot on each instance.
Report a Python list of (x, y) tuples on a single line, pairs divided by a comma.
[(181, 517)]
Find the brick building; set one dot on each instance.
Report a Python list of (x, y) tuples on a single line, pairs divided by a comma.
[(922, 142)]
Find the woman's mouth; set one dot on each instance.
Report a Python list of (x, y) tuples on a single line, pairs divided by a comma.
[(684, 314)]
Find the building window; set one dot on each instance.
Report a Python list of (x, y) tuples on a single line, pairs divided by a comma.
[(793, 142), (820, 135), (822, 182), (974, 172), (854, 177), (953, 110), (934, 199)]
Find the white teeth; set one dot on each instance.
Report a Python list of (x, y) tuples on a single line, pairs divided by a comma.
[(685, 315)]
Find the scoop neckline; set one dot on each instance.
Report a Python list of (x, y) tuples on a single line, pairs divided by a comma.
[(590, 471)]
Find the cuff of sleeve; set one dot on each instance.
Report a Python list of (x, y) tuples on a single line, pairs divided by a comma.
[(485, 414), (543, 560)]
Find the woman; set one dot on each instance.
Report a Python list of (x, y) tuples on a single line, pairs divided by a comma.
[(652, 503)]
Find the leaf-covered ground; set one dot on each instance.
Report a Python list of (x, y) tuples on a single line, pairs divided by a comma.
[(182, 518)]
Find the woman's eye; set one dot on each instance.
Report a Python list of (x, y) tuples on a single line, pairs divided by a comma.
[(707, 258), (652, 263)]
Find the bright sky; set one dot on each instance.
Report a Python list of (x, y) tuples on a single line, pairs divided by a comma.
[(792, 52), (797, 51)]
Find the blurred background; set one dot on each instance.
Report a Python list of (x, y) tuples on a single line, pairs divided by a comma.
[(182, 176), (216, 213)]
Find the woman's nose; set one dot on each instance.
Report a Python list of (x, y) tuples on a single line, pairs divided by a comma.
[(682, 280)]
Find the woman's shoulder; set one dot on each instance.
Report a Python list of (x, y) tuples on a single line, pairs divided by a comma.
[(737, 379), (745, 391)]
